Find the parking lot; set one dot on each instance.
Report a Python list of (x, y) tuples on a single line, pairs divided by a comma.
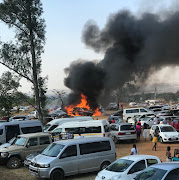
[(122, 149)]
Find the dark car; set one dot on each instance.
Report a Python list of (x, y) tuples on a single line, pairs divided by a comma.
[(82, 111)]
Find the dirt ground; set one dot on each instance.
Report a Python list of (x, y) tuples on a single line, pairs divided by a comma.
[(122, 149)]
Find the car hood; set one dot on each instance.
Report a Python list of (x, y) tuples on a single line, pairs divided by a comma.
[(12, 148), (42, 159), (5, 145), (169, 133), (107, 175), (31, 156)]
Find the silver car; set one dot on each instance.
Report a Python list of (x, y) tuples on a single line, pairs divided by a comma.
[(162, 171), (70, 157)]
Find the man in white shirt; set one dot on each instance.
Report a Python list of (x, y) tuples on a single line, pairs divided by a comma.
[(155, 120)]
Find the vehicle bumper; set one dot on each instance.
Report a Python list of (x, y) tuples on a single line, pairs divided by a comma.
[(3, 161), (126, 137), (27, 163), (39, 172), (169, 139)]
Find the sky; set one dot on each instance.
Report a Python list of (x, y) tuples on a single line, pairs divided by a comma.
[(65, 20)]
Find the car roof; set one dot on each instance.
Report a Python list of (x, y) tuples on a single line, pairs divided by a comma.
[(19, 122), (34, 135), (120, 124), (82, 140), (167, 165), (160, 125), (138, 157)]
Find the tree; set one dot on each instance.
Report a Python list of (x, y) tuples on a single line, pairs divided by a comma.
[(60, 95), (24, 55), (8, 88)]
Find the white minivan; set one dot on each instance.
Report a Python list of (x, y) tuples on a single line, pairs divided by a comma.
[(131, 112), (49, 127), (97, 128), (10, 129)]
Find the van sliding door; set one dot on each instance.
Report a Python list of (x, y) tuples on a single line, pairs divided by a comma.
[(12, 131)]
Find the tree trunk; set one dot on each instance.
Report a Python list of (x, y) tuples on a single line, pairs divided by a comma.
[(34, 66)]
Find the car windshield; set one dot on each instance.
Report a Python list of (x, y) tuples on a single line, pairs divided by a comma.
[(127, 127), (12, 140), (53, 150), (46, 126), (167, 129), (20, 141), (120, 165), (151, 173)]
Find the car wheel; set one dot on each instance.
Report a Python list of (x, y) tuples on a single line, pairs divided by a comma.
[(56, 175), (13, 163), (115, 140), (104, 165)]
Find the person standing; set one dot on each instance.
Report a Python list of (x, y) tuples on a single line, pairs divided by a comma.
[(155, 120), (138, 129), (112, 121), (155, 140), (168, 155), (145, 133), (172, 123), (177, 126), (134, 150)]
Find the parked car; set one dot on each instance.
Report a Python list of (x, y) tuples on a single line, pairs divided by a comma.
[(162, 171), (164, 113), (148, 120), (33, 115), (132, 104), (112, 106), (136, 118), (24, 145), (131, 112), (70, 157), (166, 107), (19, 118), (166, 132), (123, 131), (82, 111), (175, 112), (127, 167), (168, 119)]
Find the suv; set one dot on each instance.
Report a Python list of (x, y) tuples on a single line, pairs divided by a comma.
[(25, 144), (123, 131)]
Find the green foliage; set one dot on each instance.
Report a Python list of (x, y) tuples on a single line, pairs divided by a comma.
[(8, 88)]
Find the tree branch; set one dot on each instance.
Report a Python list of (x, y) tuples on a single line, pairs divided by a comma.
[(17, 72)]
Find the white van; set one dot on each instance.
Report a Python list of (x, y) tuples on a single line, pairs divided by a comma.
[(10, 129), (129, 113), (56, 122), (94, 128)]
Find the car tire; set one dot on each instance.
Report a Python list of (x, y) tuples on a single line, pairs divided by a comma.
[(115, 140), (13, 163), (104, 165), (57, 175)]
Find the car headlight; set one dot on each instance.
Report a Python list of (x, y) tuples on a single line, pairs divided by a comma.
[(44, 165), (115, 177), (4, 154)]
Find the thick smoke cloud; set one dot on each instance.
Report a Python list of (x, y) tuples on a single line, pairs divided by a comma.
[(134, 47)]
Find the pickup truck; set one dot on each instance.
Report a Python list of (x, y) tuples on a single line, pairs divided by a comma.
[(13, 156)]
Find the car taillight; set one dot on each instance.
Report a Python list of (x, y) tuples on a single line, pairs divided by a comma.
[(119, 133), (103, 135), (133, 132)]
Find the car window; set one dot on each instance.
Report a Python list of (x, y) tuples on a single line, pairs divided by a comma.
[(139, 166), (1, 131), (127, 127), (32, 142), (151, 161), (44, 140), (69, 151), (143, 110), (151, 174), (52, 127), (174, 174), (94, 147), (132, 111), (33, 129), (114, 127), (58, 130)]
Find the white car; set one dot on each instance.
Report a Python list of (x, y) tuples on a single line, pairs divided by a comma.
[(166, 132), (127, 167), (33, 115), (148, 120)]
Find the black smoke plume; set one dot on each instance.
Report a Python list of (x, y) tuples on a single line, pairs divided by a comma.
[(134, 48)]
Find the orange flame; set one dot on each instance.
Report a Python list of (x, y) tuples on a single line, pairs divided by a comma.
[(76, 111)]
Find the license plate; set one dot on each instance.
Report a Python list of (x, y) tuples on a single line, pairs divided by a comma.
[(128, 133)]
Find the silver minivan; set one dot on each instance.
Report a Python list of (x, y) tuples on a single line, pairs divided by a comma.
[(70, 157)]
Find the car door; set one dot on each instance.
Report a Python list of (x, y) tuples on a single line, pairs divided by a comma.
[(114, 128), (69, 160), (31, 146), (136, 169), (44, 141)]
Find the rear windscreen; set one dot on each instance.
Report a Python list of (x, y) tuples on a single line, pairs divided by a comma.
[(127, 127)]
